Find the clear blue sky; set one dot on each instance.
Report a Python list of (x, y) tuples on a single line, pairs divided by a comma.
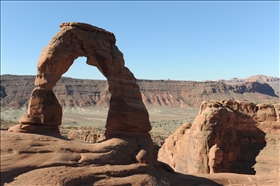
[(159, 40)]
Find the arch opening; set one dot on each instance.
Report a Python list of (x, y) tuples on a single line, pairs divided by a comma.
[(81, 70)]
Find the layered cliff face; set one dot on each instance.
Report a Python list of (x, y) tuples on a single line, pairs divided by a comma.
[(79, 93), (226, 136), (191, 93), (274, 82)]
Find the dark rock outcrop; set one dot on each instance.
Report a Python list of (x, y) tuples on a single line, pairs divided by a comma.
[(262, 88), (3, 93), (274, 82)]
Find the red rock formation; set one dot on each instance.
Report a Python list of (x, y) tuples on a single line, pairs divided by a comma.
[(127, 115), (127, 111), (84, 134), (237, 128), (215, 159), (32, 159), (125, 157)]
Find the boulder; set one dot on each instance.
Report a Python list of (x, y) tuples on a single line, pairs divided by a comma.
[(233, 129)]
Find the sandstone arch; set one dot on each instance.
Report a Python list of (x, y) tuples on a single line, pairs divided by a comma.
[(126, 112)]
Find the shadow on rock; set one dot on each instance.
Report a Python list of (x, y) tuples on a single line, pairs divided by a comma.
[(224, 137)]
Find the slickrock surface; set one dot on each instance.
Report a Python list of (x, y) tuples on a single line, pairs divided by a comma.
[(33, 159), (226, 136)]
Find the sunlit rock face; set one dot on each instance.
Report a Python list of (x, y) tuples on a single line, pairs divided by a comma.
[(125, 157), (127, 115), (126, 110), (226, 136)]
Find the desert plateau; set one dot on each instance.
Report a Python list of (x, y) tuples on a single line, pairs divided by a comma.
[(125, 131)]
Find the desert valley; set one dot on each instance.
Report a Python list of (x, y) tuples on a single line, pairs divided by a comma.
[(170, 105), (123, 131)]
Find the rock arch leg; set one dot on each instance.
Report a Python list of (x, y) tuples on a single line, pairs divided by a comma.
[(127, 111), (44, 113)]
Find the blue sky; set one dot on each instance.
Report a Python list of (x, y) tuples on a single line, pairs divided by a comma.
[(160, 40)]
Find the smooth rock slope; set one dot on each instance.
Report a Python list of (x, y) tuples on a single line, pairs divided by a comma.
[(33, 159)]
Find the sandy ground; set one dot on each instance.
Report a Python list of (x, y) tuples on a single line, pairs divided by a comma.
[(163, 119)]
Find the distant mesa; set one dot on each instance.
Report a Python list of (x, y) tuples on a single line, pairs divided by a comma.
[(80, 93), (256, 78)]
